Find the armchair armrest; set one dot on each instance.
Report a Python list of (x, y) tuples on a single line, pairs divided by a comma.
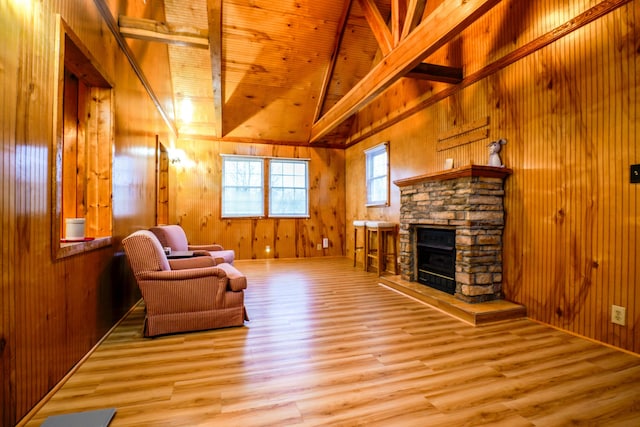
[(214, 260), (212, 247), (200, 252), (195, 262), (190, 273), (237, 280)]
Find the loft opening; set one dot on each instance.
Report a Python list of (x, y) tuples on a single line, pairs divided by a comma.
[(83, 145)]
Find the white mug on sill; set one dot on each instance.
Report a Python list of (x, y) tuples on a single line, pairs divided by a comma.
[(74, 228)]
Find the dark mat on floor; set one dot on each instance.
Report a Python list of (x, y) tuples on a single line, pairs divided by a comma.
[(98, 418)]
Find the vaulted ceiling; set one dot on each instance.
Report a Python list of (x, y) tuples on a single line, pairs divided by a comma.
[(288, 71)]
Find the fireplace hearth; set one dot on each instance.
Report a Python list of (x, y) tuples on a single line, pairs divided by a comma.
[(454, 217)]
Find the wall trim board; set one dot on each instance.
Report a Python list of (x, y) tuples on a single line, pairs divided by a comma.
[(463, 134)]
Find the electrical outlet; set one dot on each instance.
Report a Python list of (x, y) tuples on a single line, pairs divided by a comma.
[(319, 246), (635, 174), (618, 315), (325, 243)]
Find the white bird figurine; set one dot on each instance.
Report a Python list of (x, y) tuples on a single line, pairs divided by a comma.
[(494, 149)]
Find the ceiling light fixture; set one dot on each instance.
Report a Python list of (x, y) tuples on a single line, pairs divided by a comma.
[(186, 110)]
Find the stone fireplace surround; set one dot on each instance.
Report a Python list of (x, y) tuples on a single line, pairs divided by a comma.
[(470, 201)]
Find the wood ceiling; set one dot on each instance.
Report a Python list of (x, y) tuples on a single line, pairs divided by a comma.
[(291, 71)]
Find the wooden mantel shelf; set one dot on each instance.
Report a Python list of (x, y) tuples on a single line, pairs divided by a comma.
[(462, 172)]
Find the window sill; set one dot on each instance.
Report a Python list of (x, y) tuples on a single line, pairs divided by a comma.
[(74, 248), (266, 217)]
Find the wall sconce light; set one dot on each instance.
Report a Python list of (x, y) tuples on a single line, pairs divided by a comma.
[(176, 155)]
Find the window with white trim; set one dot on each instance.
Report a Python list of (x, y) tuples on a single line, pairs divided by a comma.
[(377, 175), (249, 183), (242, 186), (288, 185)]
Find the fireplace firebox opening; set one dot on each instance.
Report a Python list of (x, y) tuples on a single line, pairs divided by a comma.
[(436, 258)]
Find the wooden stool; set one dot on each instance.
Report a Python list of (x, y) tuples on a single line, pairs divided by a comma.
[(359, 225), (377, 245)]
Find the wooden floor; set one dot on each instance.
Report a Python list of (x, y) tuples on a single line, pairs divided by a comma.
[(327, 345)]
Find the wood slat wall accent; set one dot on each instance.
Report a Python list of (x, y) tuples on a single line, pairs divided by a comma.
[(99, 178), (197, 203), (53, 312), (570, 113), (163, 184)]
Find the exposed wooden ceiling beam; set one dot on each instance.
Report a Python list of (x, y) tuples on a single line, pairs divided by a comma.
[(378, 25), (415, 10), (214, 19), (402, 20), (437, 73), (442, 25), (334, 57), (398, 13), (574, 24), (150, 30), (111, 23)]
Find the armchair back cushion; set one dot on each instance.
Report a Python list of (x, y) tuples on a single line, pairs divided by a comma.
[(146, 253), (173, 236)]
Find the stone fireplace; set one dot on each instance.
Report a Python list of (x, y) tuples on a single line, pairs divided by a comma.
[(468, 202)]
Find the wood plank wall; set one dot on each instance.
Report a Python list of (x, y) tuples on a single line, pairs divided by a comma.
[(571, 114), (197, 203), (53, 312), (569, 111)]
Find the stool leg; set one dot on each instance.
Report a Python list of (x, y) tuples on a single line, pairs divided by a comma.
[(365, 249), (355, 244), (395, 252), (371, 234), (382, 254)]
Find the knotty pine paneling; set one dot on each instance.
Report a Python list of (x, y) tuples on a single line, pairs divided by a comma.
[(256, 85), (53, 311), (570, 113), (197, 203)]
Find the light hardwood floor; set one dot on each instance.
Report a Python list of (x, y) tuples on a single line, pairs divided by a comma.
[(327, 345)]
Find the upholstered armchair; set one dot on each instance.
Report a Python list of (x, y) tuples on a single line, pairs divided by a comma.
[(184, 294), (173, 236)]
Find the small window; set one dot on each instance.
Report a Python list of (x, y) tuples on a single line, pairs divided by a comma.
[(288, 187), (242, 186), (377, 172)]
